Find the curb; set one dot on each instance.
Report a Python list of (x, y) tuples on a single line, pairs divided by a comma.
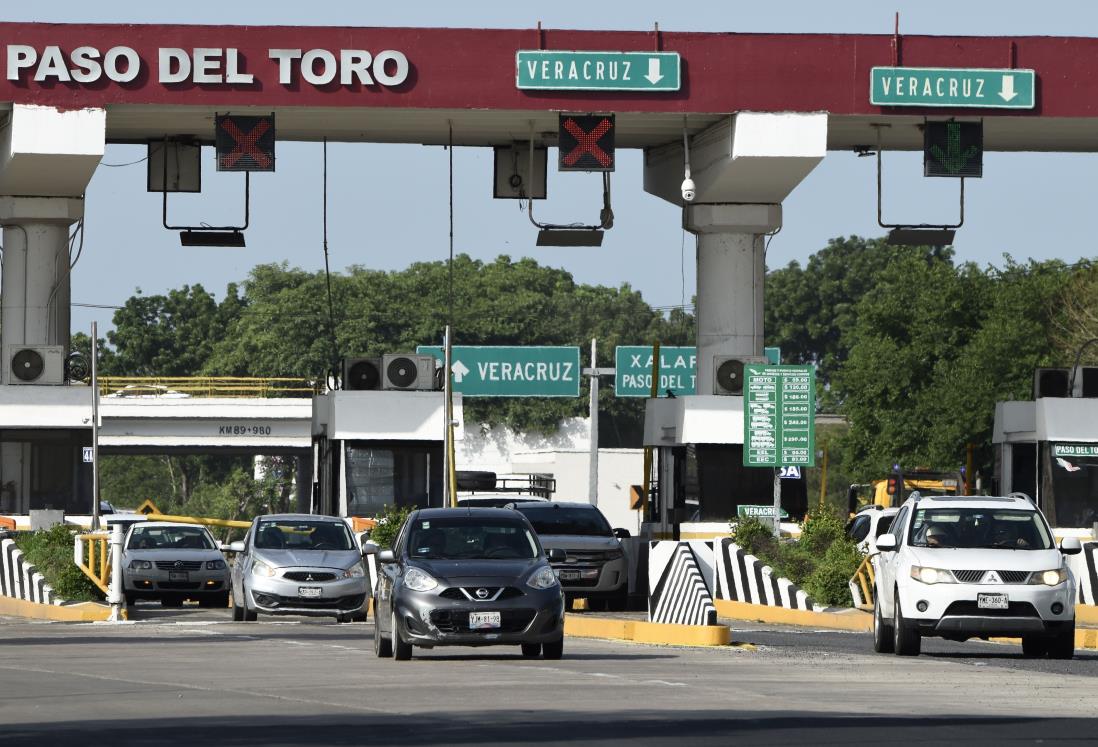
[(586, 626), (80, 612), (853, 620)]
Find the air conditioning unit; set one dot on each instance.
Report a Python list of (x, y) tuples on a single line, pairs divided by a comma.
[(1086, 382), (34, 364), (409, 372), (361, 374), (728, 373), (1051, 382)]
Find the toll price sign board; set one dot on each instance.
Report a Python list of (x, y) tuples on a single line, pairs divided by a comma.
[(633, 370), (560, 70), (512, 371), (779, 416), (974, 88)]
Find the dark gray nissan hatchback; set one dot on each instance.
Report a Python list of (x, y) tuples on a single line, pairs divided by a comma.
[(467, 577)]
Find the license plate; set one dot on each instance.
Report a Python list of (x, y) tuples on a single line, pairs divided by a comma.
[(992, 601), (483, 620), (309, 592), (178, 576), (569, 575)]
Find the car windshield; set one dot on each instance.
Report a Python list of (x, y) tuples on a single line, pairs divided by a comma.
[(463, 537), (980, 527), (303, 535), (170, 538), (557, 519)]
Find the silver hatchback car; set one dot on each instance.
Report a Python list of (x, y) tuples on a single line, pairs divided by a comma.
[(299, 564)]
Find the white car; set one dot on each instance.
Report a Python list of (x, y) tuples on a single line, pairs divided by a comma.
[(869, 524), (974, 567)]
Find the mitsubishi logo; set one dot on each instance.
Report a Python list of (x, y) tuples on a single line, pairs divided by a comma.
[(992, 578), (482, 593), (309, 577)]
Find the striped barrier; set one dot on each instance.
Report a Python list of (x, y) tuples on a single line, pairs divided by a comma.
[(20, 580), (1083, 566), (741, 577), (680, 578)]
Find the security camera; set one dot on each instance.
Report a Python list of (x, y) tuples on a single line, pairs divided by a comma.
[(688, 189)]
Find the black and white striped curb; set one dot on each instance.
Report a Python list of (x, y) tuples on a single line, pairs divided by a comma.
[(741, 577), (20, 580), (680, 579)]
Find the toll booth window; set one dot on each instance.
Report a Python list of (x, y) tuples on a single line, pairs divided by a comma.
[(385, 474), (1074, 490)]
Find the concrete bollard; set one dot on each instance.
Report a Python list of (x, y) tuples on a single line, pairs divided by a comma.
[(114, 596)]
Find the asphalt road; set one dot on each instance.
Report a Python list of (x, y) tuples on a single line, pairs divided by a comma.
[(190, 677)]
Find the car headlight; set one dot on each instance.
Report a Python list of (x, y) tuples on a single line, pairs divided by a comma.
[(355, 571), (215, 565), (932, 575), (1055, 577), (617, 554), (262, 569), (544, 578), (141, 565), (417, 580)]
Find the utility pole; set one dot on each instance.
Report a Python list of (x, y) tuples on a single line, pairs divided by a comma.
[(95, 425), (593, 428)]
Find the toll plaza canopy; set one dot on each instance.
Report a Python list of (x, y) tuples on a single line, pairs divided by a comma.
[(411, 85)]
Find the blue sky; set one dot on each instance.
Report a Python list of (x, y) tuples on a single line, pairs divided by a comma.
[(388, 204)]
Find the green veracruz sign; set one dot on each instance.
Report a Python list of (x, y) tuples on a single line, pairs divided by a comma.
[(952, 87), (559, 70)]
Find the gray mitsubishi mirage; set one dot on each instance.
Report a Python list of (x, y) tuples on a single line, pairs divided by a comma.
[(299, 564), (467, 577)]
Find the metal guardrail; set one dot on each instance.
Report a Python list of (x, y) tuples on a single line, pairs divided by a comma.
[(205, 386), (864, 580), (91, 553)]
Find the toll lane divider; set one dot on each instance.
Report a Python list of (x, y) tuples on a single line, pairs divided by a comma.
[(850, 619), (21, 580), (1085, 568), (680, 579), (72, 612), (741, 577), (639, 631)]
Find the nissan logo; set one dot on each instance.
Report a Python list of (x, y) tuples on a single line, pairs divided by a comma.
[(482, 593)]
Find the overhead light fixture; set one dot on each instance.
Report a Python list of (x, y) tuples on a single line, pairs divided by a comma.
[(569, 237), (913, 236), (211, 238)]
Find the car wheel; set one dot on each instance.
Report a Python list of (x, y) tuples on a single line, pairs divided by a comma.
[(359, 617), (1034, 646), (238, 613), (1062, 645), (531, 650), (131, 598), (248, 614), (569, 602), (882, 632), (553, 650), (596, 604), (906, 640), (383, 647), (401, 651)]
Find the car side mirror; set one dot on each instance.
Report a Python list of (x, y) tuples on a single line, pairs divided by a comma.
[(370, 548), (386, 556), (886, 542), (234, 546), (622, 534), (556, 555), (1070, 546)]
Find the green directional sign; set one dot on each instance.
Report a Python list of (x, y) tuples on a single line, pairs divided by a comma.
[(559, 70), (512, 371), (952, 87), (1075, 450), (779, 416), (954, 149), (745, 511), (633, 370)]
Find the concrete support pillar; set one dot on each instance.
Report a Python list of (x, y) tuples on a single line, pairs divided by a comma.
[(731, 273), (34, 286)]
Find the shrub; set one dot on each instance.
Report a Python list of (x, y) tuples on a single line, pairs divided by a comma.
[(828, 582), (50, 551), (754, 535), (388, 526)]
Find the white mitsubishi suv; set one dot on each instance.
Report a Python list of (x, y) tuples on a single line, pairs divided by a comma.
[(962, 567)]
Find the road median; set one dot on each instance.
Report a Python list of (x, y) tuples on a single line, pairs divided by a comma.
[(640, 631)]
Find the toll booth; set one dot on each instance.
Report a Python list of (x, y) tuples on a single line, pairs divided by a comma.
[(374, 449), (700, 478), (1048, 449)]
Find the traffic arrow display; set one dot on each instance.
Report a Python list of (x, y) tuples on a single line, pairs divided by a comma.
[(512, 371), (974, 88), (558, 70)]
